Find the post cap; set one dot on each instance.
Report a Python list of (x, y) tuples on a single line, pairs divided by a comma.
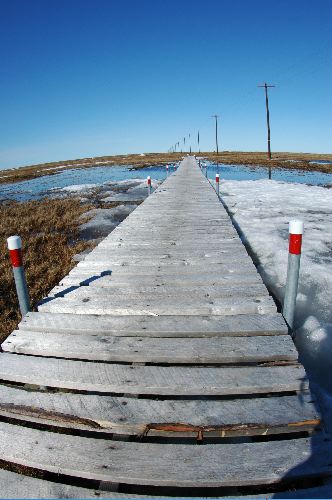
[(14, 242), (296, 227)]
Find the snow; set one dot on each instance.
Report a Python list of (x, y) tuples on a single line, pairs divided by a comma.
[(53, 168), (104, 220), (262, 209), (321, 162), (78, 188)]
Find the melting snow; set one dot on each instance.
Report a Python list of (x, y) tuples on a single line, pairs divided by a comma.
[(262, 210)]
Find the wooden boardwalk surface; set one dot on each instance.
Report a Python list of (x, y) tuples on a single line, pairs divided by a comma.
[(160, 366)]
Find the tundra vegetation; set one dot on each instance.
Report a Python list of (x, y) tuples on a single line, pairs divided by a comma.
[(50, 236)]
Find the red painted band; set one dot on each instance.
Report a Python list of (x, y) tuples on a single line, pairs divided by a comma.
[(217, 180), (16, 257), (149, 182), (295, 243)]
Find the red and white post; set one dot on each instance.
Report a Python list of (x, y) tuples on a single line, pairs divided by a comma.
[(15, 251), (167, 170), (294, 257), (217, 184), (149, 185)]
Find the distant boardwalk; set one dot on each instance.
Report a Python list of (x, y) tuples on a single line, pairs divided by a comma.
[(162, 339)]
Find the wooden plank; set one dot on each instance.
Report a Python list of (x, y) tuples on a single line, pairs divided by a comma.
[(140, 417), (162, 326), (88, 303), (162, 290), (166, 464), (170, 380), (202, 270), (95, 347), (132, 261), (184, 276), (18, 486), (174, 281), (144, 257)]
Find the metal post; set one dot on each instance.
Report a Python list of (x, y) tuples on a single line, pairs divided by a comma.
[(206, 172), (15, 251), (294, 257), (149, 185), (217, 184), (167, 170)]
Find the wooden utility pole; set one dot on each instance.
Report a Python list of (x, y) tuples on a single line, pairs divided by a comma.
[(198, 141), (216, 118), (266, 86)]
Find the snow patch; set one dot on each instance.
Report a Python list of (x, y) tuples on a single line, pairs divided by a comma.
[(262, 209)]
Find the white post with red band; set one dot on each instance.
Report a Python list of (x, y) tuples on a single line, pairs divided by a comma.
[(149, 185), (293, 269), (167, 169), (15, 251), (217, 184)]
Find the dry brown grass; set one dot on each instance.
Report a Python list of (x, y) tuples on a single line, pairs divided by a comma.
[(49, 231), (299, 160)]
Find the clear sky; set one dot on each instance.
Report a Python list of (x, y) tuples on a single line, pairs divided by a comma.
[(100, 77)]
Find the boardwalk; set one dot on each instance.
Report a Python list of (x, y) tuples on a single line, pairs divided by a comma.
[(163, 338)]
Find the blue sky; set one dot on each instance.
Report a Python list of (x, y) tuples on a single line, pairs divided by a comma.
[(100, 77)]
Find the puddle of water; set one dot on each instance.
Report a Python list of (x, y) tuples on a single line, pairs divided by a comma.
[(103, 176), (42, 186), (247, 173)]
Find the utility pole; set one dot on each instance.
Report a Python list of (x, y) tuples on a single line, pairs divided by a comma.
[(198, 141), (184, 144), (216, 118), (189, 144), (266, 86)]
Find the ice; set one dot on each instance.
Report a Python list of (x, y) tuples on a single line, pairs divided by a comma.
[(79, 188), (262, 210), (131, 190), (104, 220)]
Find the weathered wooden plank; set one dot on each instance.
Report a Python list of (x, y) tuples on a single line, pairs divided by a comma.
[(163, 290), (187, 244), (167, 258), (166, 464), (162, 326), (96, 347), (184, 275), (18, 486), (157, 270), (174, 281), (217, 262), (140, 417), (104, 377), (88, 303)]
